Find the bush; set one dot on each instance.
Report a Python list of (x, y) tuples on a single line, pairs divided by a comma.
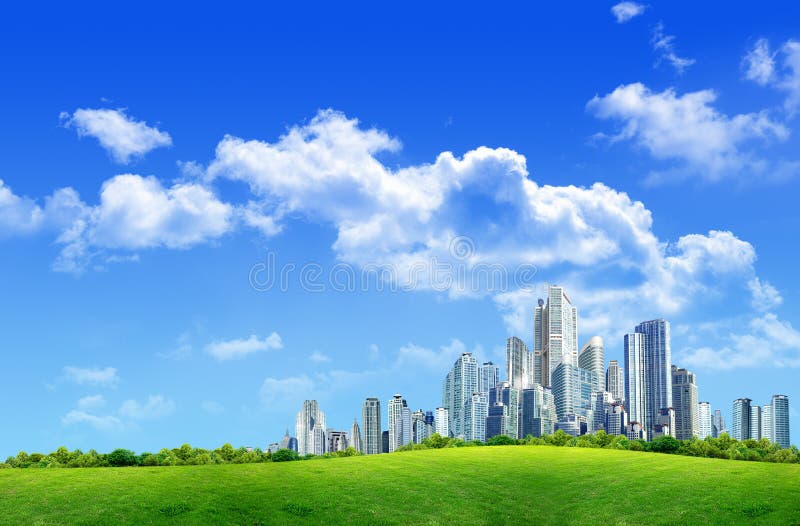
[(501, 440), (285, 455), (665, 444), (121, 457)]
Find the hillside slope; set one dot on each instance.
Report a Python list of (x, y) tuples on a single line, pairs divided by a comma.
[(477, 485)]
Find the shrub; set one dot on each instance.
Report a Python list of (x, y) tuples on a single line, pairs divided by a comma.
[(501, 440), (285, 455), (121, 457)]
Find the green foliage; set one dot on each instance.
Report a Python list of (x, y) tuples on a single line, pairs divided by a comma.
[(121, 457), (501, 440), (285, 455), (665, 444)]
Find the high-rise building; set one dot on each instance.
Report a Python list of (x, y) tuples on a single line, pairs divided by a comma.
[(442, 422), (616, 419), (780, 420), (310, 429), (496, 420), (399, 423), (740, 424), (572, 392), (615, 381), (538, 415), (704, 420), (476, 409), (489, 377), (430, 423), (635, 378), (337, 440), (755, 422), (665, 423), (355, 437), (718, 423), (384, 441), (288, 442), (371, 418), (634, 431), (684, 401), (419, 429), (508, 395), (516, 353), (657, 368), (767, 431), (461, 382), (555, 334), (592, 359), (602, 404)]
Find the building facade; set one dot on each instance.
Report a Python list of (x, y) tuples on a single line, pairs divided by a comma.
[(442, 422), (460, 383), (635, 378), (705, 425), (516, 358), (371, 418), (684, 401), (740, 421), (489, 377), (615, 381), (780, 420), (310, 429), (658, 369), (399, 423), (555, 334), (592, 358)]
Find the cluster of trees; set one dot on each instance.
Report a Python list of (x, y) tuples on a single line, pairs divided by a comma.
[(722, 447), (185, 455)]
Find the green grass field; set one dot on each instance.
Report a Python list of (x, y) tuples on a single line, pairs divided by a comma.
[(476, 485)]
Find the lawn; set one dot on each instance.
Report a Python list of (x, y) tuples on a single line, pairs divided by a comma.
[(475, 485)]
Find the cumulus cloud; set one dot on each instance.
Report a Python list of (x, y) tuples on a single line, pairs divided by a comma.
[(137, 212), (239, 348), (624, 11), (105, 377), (122, 136), (101, 423), (276, 393), (437, 359), (686, 128), (769, 342), (318, 357), (156, 406), (125, 417), (664, 46), (765, 296), (91, 402), (760, 66)]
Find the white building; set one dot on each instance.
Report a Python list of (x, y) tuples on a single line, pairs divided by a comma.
[(307, 421), (476, 409), (684, 401), (442, 421), (555, 334), (399, 423), (592, 358), (635, 399), (615, 381), (460, 383), (705, 426), (371, 418), (516, 359)]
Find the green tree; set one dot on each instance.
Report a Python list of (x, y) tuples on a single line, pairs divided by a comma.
[(285, 455), (121, 457)]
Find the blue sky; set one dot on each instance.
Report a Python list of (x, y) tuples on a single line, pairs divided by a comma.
[(645, 158)]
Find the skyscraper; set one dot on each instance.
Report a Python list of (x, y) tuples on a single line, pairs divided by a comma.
[(399, 423), (538, 411), (419, 430), (684, 401), (615, 381), (476, 409), (496, 420), (489, 377), (740, 424), (572, 391), (355, 437), (592, 358), (288, 442), (516, 353), (755, 422), (767, 430), (337, 440), (555, 334), (718, 424), (780, 420), (635, 396), (657, 368), (442, 422), (616, 419), (705, 425), (310, 429), (371, 417), (461, 382), (504, 393)]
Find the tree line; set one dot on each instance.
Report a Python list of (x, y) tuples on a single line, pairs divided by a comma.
[(723, 446)]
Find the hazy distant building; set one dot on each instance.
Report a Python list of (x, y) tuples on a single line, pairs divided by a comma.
[(310, 429), (592, 358), (355, 437), (273, 448), (516, 352), (371, 418), (684, 401), (602, 404), (615, 381), (399, 423), (665, 423), (572, 391), (634, 431), (289, 442), (718, 424), (704, 420), (442, 422), (740, 423), (419, 429), (555, 334)]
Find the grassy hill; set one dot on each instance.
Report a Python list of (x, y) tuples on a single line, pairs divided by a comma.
[(476, 485)]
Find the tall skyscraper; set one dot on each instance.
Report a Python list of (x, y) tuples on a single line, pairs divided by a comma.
[(489, 377), (442, 421), (538, 412), (767, 430), (615, 381), (461, 382), (504, 393), (399, 423), (657, 368), (635, 378), (755, 422), (740, 424), (718, 423), (602, 404), (704, 420), (592, 359), (355, 437), (371, 418), (476, 409), (496, 420), (419, 429), (780, 420), (310, 429), (616, 419), (516, 354), (572, 391), (555, 334), (684, 401)]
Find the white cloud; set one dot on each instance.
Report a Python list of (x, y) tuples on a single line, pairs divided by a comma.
[(239, 348), (122, 136), (21, 215), (105, 377), (91, 402), (137, 212), (624, 11), (769, 342), (156, 406), (759, 63), (280, 392), (318, 357), (101, 423), (760, 66), (664, 45), (440, 359), (687, 128), (765, 296)]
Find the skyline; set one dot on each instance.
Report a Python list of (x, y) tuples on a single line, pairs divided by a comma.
[(649, 167)]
